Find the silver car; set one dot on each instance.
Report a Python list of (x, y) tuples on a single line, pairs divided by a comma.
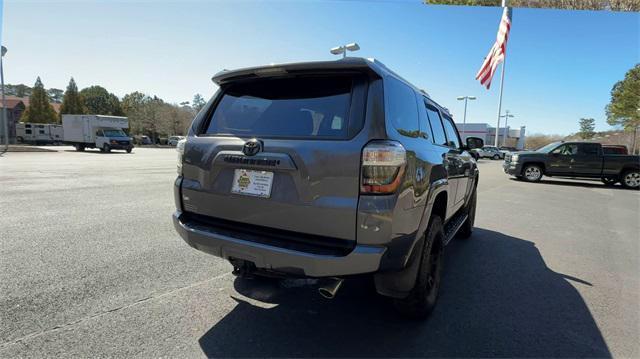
[(173, 140), (491, 152)]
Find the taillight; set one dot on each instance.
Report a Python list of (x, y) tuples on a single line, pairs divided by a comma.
[(383, 165)]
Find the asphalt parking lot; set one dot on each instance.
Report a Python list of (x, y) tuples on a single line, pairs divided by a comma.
[(91, 266)]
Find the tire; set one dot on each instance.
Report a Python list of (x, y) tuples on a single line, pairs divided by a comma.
[(422, 298), (467, 227), (129, 150), (630, 179), (496, 157), (532, 173), (608, 181), (79, 148), (106, 148)]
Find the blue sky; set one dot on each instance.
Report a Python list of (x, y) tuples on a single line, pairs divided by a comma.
[(561, 65)]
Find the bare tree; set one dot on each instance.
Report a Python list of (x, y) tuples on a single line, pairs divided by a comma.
[(613, 5)]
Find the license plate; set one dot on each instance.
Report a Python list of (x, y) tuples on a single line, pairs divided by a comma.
[(252, 183)]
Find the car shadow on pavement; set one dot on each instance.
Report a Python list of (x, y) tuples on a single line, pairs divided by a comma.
[(575, 183), (570, 183), (92, 151), (498, 298)]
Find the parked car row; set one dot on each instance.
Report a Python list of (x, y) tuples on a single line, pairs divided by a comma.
[(87, 131), (146, 140)]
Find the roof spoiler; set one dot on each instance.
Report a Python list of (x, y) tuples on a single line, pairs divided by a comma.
[(347, 64)]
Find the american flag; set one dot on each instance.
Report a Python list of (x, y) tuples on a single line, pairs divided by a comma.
[(498, 51)]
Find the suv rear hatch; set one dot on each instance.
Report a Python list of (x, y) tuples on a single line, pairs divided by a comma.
[(280, 152)]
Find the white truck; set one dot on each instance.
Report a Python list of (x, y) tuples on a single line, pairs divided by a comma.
[(97, 131), (39, 133)]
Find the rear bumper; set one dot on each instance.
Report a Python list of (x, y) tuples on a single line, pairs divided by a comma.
[(362, 259)]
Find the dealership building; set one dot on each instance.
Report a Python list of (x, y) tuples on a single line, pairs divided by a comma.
[(515, 137)]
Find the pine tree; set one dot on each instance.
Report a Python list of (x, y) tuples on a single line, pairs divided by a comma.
[(72, 103), (587, 128), (39, 110), (198, 102)]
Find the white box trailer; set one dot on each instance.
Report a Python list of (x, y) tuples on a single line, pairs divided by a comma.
[(39, 133), (96, 131)]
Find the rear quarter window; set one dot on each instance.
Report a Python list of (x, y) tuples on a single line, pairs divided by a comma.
[(401, 107), (439, 137), (284, 107), (452, 134)]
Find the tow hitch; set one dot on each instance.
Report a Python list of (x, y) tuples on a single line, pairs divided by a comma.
[(242, 268)]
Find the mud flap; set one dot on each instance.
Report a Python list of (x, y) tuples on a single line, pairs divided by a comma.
[(398, 284)]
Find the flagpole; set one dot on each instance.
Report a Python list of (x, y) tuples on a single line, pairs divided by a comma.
[(504, 62), (500, 100)]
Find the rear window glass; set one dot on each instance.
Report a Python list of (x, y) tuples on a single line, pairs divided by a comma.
[(289, 107), (614, 150)]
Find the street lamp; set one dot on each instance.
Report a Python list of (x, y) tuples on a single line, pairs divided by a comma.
[(5, 120), (343, 49), (506, 116), (464, 118)]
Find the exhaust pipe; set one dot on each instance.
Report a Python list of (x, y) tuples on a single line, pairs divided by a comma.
[(329, 287)]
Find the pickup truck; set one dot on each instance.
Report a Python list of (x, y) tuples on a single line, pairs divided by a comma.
[(574, 160)]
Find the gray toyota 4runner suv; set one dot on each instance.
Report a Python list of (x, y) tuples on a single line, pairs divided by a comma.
[(326, 170)]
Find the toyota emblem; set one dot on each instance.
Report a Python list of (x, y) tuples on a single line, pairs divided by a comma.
[(252, 147)]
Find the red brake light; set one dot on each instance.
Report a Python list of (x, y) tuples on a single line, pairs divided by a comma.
[(383, 165)]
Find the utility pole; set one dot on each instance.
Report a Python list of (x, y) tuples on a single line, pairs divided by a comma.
[(5, 119)]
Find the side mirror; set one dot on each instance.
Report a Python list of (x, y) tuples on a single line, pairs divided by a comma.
[(474, 142)]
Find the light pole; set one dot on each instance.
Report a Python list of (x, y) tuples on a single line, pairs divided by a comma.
[(506, 130), (464, 118), (5, 120), (344, 48)]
